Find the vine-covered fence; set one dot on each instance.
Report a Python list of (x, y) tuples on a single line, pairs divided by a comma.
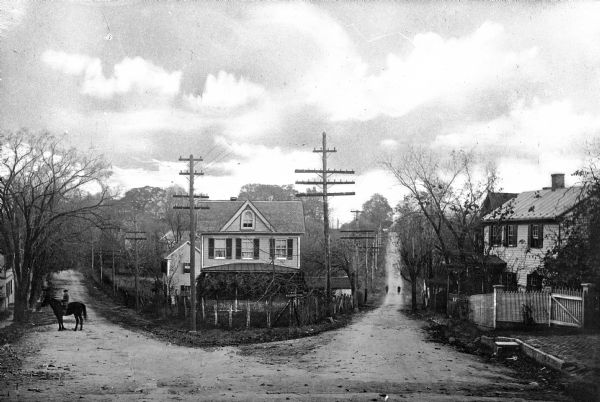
[(277, 311)]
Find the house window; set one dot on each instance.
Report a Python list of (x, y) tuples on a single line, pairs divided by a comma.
[(534, 281), (186, 267), (536, 236), (511, 235), (9, 288), (495, 235), (248, 220), (247, 249), (509, 281), (220, 249), (281, 249), (185, 289)]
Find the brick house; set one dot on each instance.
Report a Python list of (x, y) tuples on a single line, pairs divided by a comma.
[(525, 227), (243, 237)]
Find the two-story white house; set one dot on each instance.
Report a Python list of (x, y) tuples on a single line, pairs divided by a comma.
[(524, 228), (241, 237)]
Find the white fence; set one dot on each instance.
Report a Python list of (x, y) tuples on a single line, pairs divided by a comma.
[(557, 306)]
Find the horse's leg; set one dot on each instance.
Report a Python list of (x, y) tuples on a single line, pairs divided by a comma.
[(80, 322), (60, 323)]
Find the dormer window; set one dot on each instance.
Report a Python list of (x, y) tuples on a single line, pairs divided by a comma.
[(248, 220)]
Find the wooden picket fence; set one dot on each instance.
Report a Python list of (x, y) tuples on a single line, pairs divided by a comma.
[(564, 307), (276, 312)]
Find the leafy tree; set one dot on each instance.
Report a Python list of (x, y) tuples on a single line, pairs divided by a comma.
[(415, 242), (376, 213), (267, 192), (576, 259), (448, 191), (43, 186)]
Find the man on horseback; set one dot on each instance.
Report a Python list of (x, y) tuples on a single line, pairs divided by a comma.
[(65, 300)]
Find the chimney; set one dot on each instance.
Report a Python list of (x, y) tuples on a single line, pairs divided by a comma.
[(558, 180), (235, 198)]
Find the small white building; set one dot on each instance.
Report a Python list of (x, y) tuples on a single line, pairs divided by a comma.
[(523, 229), (177, 270)]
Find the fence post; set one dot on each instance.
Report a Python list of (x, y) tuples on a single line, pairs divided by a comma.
[(585, 290), (230, 314), (548, 290), (247, 314), (268, 306), (203, 312), (497, 290), (216, 314)]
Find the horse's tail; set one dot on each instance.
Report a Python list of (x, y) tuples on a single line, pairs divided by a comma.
[(84, 311)]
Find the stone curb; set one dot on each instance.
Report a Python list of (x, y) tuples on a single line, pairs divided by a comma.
[(536, 354)]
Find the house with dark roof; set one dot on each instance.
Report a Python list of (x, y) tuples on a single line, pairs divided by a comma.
[(246, 236), (525, 227)]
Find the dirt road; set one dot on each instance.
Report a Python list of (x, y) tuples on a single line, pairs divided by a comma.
[(381, 353)]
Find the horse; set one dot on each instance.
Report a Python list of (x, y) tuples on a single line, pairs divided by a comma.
[(75, 308)]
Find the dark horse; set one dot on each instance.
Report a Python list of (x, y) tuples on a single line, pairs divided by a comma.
[(75, 308)]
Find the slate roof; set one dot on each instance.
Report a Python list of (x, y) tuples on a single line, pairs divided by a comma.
[(341, 282), (537, 205), (284, 216)]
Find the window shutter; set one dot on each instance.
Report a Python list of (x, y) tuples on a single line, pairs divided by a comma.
[(505, 235), (228, 248), (256, 249), (272, 248), (541, 234), (290, 249), (490, 235), (238, 249), (529, 236), (211, 248)]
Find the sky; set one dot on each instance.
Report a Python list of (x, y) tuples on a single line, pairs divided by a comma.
[(251, 86)]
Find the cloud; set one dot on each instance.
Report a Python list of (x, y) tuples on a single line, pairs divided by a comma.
[(340, 81), (11, 14), (224, 91), (130, 75), (553, 129)]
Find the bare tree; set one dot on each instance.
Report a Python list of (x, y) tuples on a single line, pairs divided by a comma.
[(42, 186)]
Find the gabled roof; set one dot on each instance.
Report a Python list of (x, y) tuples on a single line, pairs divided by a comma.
[(493, 200), (283, 216), (546, 204), (185, 243)]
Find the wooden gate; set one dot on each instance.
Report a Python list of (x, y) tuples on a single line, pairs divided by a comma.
[(566, 308)]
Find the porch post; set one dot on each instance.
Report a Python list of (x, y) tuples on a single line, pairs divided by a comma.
[(497, 289)]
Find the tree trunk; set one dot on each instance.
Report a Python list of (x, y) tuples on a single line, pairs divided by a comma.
[(413, 291), (20, 312)]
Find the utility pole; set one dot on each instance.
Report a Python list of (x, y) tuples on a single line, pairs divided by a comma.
[(192, 207), (324, 175), (135, 236), (359, 234)]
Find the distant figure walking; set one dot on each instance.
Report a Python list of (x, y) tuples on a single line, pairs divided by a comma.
[(386, 289), (398, 289)]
